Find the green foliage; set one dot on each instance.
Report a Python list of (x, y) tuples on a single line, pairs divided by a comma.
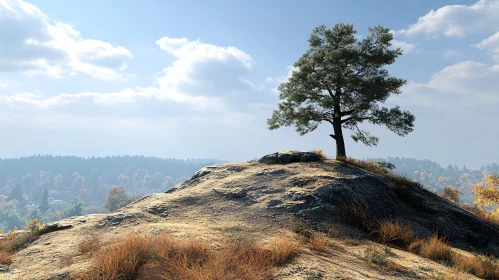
[(66, 177), (17, 194), (116, 198), (74, 209), (10, 215), (44, 202), (342, 81), (35, 213)]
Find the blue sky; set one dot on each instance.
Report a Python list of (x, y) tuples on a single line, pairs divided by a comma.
[(198, 78)]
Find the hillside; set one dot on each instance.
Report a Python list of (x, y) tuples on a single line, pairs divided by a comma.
[(280, 193), (433, 176), (87, 179)]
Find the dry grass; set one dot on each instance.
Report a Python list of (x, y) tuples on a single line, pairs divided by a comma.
[(15, 240), (432, 247), (320, 154), (395, 232), (319, 242), (122, 260), (480, 266), (5, 258), (90, 245), (357, 216), (366, 164), (163, 257), (283, 249), (454, 274)]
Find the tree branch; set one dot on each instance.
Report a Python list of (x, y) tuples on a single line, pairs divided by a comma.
[(346, 113), (360, 131), (331, 93), (347, 119), (332, 136)]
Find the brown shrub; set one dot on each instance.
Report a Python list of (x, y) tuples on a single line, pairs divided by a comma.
[(432, 247), (162, 257), (480, 266), (5, 258), (318, 242), (395, 232), (90, 245)]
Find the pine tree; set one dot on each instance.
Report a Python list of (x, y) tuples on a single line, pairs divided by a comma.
[(44, 202), (343, 82)]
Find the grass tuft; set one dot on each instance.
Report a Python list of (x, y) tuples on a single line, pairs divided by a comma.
[(318, 242), (320, 154), (283, 249), (432, 247), (395, 232)]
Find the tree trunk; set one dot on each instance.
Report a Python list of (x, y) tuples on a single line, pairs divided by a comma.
[(340, 142)]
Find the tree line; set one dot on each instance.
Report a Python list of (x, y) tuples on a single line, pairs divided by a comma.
[(53, 187)]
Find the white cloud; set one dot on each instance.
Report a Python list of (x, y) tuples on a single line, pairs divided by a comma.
[(205, 78), (261, 106), (4, 85), (491, 45), (450, 54), (406, 47), (204, 70), (462, 86), (33, 43), (457, 20)]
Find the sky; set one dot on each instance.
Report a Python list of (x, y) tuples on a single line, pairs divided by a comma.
[(198, 79)]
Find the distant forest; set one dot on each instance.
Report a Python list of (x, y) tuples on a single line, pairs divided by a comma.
[(54, 187), (81, 183), (435, 177)]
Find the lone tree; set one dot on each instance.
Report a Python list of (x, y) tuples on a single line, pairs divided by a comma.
[(116, 198), (342, 81)]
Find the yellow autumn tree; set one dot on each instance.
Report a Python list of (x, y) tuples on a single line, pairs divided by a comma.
[(451, 194), (487, 194)]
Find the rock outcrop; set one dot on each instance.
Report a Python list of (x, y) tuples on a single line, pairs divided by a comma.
[(289, 156)]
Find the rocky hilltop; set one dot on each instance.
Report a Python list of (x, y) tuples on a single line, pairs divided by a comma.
[(277, 193)]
